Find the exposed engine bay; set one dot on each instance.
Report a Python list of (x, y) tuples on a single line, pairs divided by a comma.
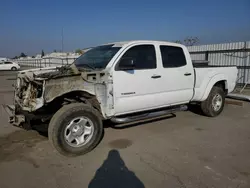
[(38, 87), (30, 86)]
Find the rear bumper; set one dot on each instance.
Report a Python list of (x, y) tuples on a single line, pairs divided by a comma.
[(14, 119)]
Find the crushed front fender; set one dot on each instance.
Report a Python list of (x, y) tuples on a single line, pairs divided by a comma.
[(14, 119)]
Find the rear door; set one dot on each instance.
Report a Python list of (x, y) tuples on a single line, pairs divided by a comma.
[(177, 76), (138, 89)]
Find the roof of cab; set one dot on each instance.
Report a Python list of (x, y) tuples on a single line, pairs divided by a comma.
[(122, 43)]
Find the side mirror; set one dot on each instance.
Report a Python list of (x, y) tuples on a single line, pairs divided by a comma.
[(126, 64)]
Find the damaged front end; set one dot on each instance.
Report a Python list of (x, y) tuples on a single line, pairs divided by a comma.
[(37, 91), (29, 92), (14, 118)]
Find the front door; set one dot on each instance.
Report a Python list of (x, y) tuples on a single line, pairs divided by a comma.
[(137, 89)]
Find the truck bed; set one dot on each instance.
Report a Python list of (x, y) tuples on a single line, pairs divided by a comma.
[(205, 64), (196, 65), (204, 74)]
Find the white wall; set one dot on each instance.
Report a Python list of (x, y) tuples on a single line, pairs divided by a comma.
[(3, 59), (226, 54)]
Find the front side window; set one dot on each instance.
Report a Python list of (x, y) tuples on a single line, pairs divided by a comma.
[(172, 56), (97, 58), (143, 56)]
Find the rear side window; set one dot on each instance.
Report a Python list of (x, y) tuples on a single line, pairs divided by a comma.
[(8, 63), (143, 56), (172, 56)]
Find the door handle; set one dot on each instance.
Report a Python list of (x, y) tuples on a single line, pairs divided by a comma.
[(156, 76), (187, 74)]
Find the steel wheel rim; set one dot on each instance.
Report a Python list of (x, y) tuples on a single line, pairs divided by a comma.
[(217, 102), (79, 131)]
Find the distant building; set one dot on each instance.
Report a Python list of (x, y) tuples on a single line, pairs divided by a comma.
[(3, 59), (61, 55), (38, 56), (27, 57)]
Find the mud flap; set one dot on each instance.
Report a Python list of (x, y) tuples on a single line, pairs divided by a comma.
[(13, 118)]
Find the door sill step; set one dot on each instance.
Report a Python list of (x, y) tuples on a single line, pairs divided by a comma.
[(148, 115)]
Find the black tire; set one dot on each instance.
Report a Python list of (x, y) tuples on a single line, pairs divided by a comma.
[(13, 68), (61, 119), (207, 107)]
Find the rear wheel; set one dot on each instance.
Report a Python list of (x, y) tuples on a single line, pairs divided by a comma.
[(13, 68), (214, 103), (75, 129)]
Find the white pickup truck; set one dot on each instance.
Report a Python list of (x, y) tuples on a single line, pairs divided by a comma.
[(122, 82)]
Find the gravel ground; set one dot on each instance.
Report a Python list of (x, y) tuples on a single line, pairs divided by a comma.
[(185, 150)]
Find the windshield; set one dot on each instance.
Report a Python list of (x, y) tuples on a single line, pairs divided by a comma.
[(97, 58)]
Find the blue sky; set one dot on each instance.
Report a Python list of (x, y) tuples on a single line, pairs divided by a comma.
[(30, 25)]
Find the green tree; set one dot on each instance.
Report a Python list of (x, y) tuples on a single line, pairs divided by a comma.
[(42, 54), (23, 55), (54, 51), (178, 41), (78, 51)]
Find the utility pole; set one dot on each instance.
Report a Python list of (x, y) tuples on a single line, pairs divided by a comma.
[(62, 41)]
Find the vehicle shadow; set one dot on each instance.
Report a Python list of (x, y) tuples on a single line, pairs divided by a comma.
[(196, 109), (137, 123), (42, 129), (114, 173)]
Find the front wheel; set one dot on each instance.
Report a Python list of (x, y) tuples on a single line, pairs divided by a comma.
[(214, 103), (13, 68), (75, 129)]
